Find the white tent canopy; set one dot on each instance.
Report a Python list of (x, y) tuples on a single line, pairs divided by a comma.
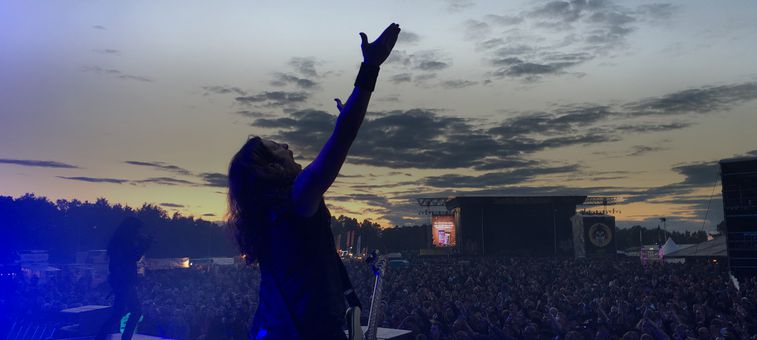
[(670, 246), (712, 248)]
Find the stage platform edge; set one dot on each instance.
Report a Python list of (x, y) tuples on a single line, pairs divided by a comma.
[(390, 333), (117, 336)]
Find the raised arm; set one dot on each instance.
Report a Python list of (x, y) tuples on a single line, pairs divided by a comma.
[(317, 177)]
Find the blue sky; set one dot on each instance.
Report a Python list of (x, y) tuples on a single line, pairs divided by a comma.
[(147, 101)]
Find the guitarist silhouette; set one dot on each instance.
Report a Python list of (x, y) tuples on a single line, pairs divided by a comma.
[(281, 221)]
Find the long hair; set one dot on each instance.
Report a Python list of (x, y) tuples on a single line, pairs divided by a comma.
[(259, 188), (124, 235)]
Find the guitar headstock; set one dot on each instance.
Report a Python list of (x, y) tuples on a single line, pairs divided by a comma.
[(376, 262)]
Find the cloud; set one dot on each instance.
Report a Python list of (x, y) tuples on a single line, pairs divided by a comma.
[(302, 76), (551, 65), (214, 179), (532, 69), (531, 145), (495, 179), (421, 138), (567, 119), (271, 123), (429, 60), (210, 179), (283, 79), (99, 27), (514, 190), (370, 199), (559, 10), (274, 99), (171, 205), (638, 150), (115, 73), (222, 89), (554, 37), (399, 58), (306, 129), (476, 28), (492, 44), (457, 84), (432, 65), (652, 127), (425, 139), (37, 163), (424, 77), (408, 38), (657, 12), (401, 78), (699, 100), (161, 166), (252, 114), (164, 181), (623, 118), (95, 180), (305, 66), (416, 138), (696, 176), (503, 20), (506, 53), (133, 77), (389, 98), (498, 163), (108, 51), (690, 212), (459, 5)]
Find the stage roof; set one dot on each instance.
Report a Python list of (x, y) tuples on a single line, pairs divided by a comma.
[(458, 201)]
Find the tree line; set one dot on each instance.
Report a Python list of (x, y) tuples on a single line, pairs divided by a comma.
[(637, 235), (64, 227)]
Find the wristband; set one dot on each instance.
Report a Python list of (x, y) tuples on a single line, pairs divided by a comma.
[(366, 77)]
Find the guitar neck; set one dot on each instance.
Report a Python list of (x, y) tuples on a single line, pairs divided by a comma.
[(376, 307)]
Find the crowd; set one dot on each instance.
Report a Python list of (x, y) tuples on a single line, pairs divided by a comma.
[(537, 298), (178, 303), (449, 298)]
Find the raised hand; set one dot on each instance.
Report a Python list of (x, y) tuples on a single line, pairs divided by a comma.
[(376, 52)]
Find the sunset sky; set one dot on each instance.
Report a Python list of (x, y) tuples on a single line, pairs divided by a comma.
[(146, 101)]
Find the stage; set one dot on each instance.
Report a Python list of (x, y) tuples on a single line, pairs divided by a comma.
[(87, 319), (382, 334), (390, 333), (118, 337)]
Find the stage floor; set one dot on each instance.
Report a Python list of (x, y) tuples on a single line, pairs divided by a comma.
[(118, 337), (389, 333), (383, 333)]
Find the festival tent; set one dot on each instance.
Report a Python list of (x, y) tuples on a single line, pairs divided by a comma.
[(223, 261), (671, 246), (166, 263), (206, 261), (713, 248)]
